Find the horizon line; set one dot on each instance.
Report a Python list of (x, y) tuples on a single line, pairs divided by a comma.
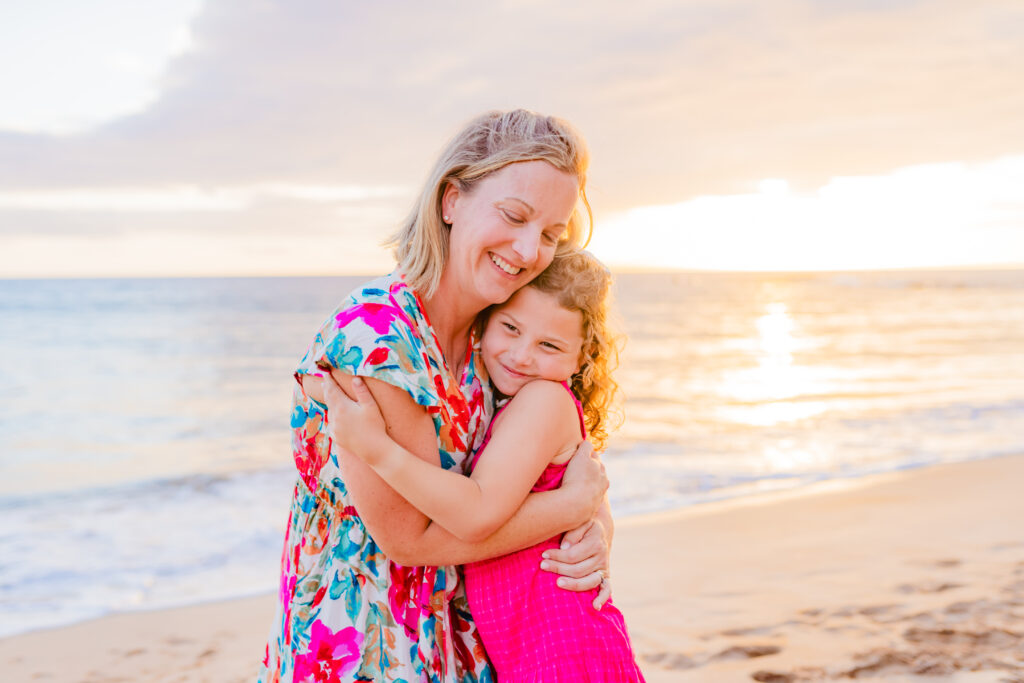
[(621, 270)]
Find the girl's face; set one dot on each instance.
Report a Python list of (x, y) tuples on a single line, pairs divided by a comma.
[(531, 337), (505, 230)]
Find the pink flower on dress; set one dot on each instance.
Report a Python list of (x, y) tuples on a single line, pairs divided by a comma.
[(376, 316), (409, 594), (329, 655), (308, 442), (306, 454), (285, 595)]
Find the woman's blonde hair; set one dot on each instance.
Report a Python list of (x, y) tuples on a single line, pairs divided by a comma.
[(579, 282), (487, 144)]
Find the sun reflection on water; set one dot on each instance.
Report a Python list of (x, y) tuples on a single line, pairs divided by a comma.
[(770, 392), (776, 333)]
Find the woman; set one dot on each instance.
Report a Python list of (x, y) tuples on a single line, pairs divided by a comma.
[(368, 587)]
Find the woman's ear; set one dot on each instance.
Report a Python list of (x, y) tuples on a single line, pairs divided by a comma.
[(449, 199)]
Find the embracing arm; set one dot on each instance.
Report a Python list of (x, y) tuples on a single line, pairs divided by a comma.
[(405, 534), (532, 523), (471, 508)]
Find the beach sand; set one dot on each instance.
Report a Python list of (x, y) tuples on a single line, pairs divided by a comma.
[(911, 576)]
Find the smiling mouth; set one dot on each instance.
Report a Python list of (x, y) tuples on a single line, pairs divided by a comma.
[(504, 265), (513, 372)]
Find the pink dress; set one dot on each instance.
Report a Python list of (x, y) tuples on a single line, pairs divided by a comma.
[(535, 631)]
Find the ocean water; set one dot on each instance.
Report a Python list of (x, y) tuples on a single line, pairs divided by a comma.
[(144, 457)]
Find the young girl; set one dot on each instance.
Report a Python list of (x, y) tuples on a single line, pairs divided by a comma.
[(543, 348)]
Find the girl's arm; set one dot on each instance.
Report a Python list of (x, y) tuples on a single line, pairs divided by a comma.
[(406, 535), (539, 424), (439, 546)]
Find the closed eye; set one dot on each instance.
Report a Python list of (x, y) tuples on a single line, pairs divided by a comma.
[(512, 218), (550, 346), (510, 327)]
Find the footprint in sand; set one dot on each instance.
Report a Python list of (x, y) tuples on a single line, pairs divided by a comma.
[(995, 638), (772, 677), (946, 563), (924, 618), (747, 631), (670, 660), (844, 612), (928, 587), (891, 661), (747, 651), (878, 610), (177, 640), (975, 608), (937, 563), (1009, 545)]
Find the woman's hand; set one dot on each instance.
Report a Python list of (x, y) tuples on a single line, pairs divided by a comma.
[(355, 425), (583, 561), (585, 482), (583, 558)]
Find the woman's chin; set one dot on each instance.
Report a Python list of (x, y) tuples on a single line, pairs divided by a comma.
[(500, 287)]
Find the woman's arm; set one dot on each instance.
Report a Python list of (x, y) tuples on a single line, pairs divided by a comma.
[(405, 534), (471, 508)]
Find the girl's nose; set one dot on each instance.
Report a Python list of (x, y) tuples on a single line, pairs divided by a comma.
[(519, 353)]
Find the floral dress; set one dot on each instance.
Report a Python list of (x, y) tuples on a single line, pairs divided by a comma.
[(346, 612)]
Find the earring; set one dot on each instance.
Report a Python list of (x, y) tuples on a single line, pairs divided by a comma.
[(447, 220)]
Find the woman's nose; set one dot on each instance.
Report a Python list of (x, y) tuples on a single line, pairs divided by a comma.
[(526, 246)]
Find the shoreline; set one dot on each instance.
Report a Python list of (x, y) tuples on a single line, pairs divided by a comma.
[(711, 506), (899, 573), (714, 502)]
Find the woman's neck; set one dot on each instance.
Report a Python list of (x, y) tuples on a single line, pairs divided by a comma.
[(452, 319)]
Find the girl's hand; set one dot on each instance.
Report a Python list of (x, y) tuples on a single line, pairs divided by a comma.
[(355, 425)]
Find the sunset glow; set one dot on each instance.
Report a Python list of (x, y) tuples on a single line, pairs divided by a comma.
[(924, 216), (176, 138)]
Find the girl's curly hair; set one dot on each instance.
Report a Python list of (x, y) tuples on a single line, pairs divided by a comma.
[(582, 283)]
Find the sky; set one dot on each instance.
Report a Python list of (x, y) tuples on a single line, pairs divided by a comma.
[(206, 137)]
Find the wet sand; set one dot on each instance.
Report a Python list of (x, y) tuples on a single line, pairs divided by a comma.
[(913, 576)]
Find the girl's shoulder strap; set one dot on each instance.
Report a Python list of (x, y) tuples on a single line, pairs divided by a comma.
[(579, 409)]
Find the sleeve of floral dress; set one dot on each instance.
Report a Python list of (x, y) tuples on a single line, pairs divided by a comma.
[(373, 335)]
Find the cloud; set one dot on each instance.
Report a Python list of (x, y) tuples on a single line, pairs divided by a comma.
[(191, 198), (677, 98)]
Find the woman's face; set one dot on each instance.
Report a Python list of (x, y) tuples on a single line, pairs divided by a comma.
[(505, 230), (531, 337)]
